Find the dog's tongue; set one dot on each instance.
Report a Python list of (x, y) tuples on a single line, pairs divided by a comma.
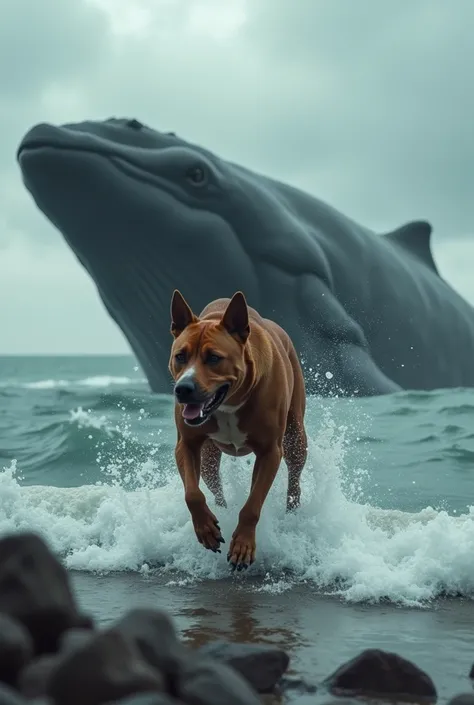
[(192, 411)]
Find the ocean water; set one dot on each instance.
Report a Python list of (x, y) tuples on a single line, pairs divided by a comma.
[(384, 536)]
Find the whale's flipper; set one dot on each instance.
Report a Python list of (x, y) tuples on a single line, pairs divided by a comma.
[(415, 237), (338, 343)]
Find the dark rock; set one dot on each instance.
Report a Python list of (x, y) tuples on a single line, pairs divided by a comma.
[(296, 687), (75, 638), (154, 635), (262, 666), (16, 649), (8, 696), (462, 699), (205, 682), (106, 669), (149, 699), (377, 673), (33, 680), (34, 589)]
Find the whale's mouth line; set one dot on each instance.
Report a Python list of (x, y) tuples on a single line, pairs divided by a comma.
[(43, 145), (37, 145), (120, 162)]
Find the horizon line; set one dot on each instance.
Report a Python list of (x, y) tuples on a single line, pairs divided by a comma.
[(66, 354)]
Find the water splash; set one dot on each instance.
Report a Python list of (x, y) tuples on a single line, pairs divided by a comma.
[(136, 519)]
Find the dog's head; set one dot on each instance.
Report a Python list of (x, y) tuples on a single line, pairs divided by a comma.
[(207, 357)]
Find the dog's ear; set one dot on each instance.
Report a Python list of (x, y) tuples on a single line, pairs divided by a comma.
[(181, 314), (236, 317)]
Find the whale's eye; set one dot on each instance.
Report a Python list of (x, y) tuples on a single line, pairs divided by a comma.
[(196, 175), (134, 124)]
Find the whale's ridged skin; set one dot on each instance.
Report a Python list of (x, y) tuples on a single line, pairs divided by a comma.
[(147, 212)]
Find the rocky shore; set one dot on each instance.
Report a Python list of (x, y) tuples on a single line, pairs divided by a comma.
[(51, 653)]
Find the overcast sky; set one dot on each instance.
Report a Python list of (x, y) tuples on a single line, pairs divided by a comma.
[(368, 104)]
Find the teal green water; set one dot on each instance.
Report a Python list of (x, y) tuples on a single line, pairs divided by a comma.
[(387, 488), (385, 527), (65, 419)]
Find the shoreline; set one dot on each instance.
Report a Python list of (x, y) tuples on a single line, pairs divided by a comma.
[(318, 632), (92, 640)]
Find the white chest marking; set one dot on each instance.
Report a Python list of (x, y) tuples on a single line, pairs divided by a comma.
[(228, 431)]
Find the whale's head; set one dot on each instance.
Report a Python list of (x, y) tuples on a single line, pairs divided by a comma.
[(145, 213)]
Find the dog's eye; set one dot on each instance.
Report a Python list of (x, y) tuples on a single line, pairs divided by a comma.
[(196, 175), (213, 359), (180, 358)]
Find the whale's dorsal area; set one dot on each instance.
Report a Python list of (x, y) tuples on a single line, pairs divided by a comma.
[(147, 212), (416, 239)]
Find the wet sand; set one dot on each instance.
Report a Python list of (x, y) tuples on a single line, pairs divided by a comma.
[(318, 632)]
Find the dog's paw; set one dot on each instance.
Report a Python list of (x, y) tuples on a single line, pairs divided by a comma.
[(207, 529), (242, 549)]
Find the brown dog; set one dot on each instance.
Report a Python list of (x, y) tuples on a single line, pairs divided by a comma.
[(239, 389)]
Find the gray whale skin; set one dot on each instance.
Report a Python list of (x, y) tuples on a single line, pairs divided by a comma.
[(146, 212)]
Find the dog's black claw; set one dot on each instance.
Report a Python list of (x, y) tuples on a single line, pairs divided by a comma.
[(221, 540), (218, 550), (228, 557)]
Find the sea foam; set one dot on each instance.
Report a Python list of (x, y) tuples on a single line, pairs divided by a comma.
[(335, 543)]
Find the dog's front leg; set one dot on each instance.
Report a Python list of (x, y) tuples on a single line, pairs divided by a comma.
[(206, 526), (243, 545)]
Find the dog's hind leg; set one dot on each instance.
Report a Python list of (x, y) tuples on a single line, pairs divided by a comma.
[(210, 465), (295, 443), (295, 452)]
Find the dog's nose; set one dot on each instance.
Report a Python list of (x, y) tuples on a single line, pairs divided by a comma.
[(185, 390)]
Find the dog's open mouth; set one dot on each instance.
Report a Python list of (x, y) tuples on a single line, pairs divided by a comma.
[(197, 414)]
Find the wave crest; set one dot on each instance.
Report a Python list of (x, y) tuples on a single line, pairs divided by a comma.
[(135, 519)]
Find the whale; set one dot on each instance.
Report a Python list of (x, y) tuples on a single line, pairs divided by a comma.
[(146, 212)]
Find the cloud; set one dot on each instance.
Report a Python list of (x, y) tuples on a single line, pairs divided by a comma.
[(51, 305), (386, 98), (368, 105), (46, 48)]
